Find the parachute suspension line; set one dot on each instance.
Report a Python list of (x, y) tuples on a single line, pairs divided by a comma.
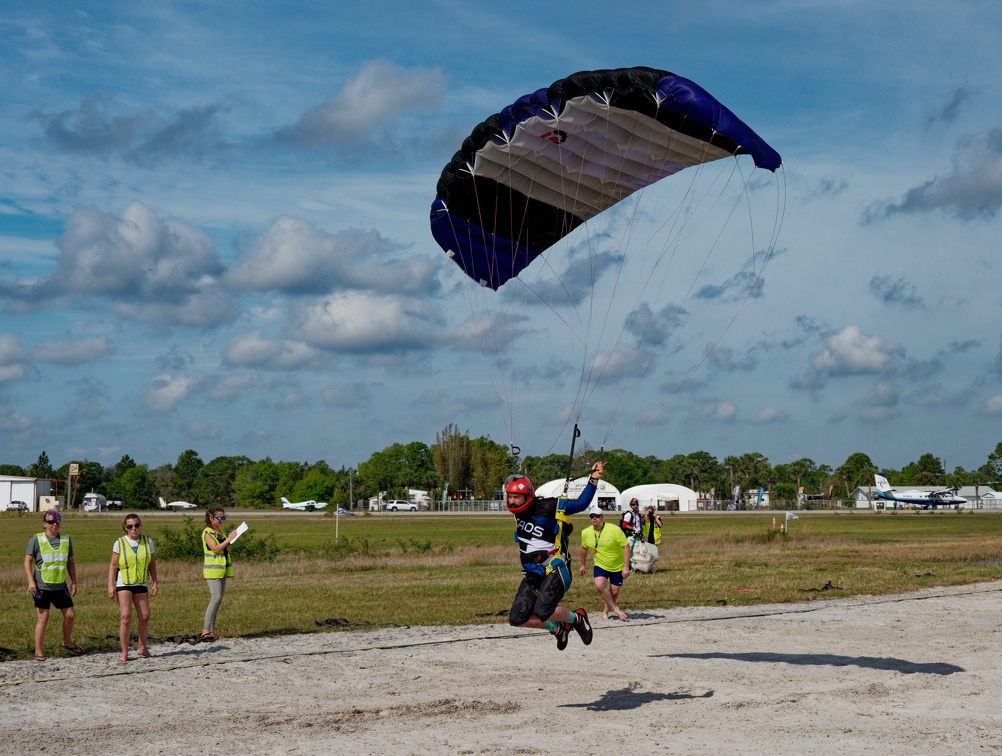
[(599, 370), (486, 325), (757, 277), (680, 221), (669, 329)]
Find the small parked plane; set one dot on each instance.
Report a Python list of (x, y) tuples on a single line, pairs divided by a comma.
[(303, 506), (928, 499), (174, 506)]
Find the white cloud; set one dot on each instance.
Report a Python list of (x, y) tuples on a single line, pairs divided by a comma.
[(994, 405), (719, 411), (252, 350), (359, 322), (851, 352), (369, 107), (293, 256), (148, 268), (771, 415), (166, 391)]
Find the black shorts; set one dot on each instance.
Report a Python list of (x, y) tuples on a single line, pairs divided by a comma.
[(133, 589), (536, 598), (60, 599)]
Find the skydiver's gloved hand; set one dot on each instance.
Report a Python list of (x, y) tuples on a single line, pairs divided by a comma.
[(597, 470)]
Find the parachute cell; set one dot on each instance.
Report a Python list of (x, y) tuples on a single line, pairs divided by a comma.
[(532, 173)]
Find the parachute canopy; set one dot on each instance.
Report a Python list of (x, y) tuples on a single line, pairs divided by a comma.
[(529, 175)]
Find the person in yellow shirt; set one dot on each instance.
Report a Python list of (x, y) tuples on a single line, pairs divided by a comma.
[(611, 552)]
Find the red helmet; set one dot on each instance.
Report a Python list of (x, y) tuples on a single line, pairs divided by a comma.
[(519, 485)]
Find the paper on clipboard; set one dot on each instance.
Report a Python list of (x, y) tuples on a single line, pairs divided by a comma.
[(238, 531)]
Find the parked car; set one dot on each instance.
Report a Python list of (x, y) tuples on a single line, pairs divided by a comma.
[(395, 505), (17, 506)]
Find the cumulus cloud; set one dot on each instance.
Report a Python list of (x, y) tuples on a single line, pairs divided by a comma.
[(227, 388), (11, 349), (769, 415), (253, 350), (166, 391), (152, 269), (900, 291), (884, 394), (98, 126), (294, 257), (652, 329), (577, 279), (369, 109), (994, 405), (718, 411), (364, 323), (848, 352), (827, 187), (735, 288), (971, 190), (729, 361)]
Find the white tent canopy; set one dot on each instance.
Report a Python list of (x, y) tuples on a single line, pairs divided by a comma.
[(662, 496), (607, 494)]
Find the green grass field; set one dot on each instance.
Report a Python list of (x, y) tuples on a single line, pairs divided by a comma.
[(455, 569)]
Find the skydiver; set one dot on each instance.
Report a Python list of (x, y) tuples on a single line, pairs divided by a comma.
[(542, 531)]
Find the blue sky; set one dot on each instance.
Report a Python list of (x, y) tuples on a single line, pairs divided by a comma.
[(214, 231)]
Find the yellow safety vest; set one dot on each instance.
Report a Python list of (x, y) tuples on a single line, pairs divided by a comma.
[(134, 566), (53, 569), (215, 566)]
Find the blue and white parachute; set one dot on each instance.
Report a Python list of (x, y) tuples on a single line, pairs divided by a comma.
[(530, 174), (547, 179)]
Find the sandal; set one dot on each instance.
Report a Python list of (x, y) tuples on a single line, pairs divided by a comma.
[(209, 638), (39, 657), (73, 648)]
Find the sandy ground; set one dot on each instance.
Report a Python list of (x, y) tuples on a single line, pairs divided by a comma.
[(892, 675)]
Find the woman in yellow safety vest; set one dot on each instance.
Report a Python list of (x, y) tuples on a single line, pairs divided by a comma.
[(217, 565), (48, 562), (132, 579)]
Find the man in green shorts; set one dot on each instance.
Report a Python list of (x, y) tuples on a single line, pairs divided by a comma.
[(612, 559)]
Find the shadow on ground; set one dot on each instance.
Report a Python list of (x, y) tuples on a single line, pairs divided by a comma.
[(831, 660)]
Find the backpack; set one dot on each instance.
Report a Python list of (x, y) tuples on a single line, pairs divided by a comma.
[(643, 555)]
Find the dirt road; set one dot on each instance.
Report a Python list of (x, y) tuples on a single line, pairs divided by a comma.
[(919, 672)]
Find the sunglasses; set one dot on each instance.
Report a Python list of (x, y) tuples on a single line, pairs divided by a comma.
[(52, 522), (133, 526), (220, 519), (594, 516)]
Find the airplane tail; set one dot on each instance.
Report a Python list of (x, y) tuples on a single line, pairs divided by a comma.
[(163, 504), (285, 502), (882, 484)]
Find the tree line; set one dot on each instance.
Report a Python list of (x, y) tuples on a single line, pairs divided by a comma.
[(457, 465)]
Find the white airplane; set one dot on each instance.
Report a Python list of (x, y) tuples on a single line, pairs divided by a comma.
[(303, 506), (175, 506), (927, 499)]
